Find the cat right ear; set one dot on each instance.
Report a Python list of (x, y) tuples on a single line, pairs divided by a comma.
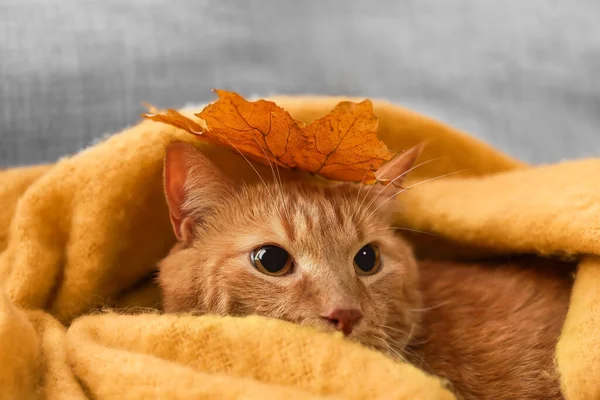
[(193, 186)]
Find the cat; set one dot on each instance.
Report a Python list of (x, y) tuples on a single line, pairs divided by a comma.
[(325, 255)]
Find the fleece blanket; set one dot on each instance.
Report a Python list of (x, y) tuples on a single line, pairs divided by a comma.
[(84, 235)]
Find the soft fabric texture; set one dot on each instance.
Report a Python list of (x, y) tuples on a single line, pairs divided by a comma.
[(86, 233)]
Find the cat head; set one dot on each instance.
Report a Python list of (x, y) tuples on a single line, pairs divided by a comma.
[(318, 254)]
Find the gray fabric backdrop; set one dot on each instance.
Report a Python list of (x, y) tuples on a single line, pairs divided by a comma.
[(522, 75)]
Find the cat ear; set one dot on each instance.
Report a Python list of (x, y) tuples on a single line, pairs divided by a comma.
[(394, 171), (391, 177), (193, 186)]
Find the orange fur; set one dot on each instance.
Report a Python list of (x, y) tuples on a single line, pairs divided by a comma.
[(491, 328), (491, 331)]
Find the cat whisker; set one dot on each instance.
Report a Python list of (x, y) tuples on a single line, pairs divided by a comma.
[(411, 333), (396, 353), (380, 342), (399, 228), (443, 303), (277, 181), (391, 183), (405, 345), (285, 204), (360, 207), (267, 157), (253, 168), (389, 327), (362, 181), (412, 186)]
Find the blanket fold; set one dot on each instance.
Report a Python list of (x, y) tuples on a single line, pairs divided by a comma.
[(86, 233)]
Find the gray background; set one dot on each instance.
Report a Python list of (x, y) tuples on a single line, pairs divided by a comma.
[(521, 74)]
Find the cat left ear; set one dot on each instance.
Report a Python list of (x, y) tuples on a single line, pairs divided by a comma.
[(394, 171), (193, 186), (391, 176)]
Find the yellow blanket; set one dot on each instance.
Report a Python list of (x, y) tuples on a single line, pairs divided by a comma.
[(86, 232)]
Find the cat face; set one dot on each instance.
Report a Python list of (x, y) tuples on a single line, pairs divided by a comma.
[(312, 254)]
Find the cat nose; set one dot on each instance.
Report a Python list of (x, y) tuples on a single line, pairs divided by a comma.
[(344, 319)]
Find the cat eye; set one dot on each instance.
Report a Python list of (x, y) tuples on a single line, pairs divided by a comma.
[(366, 261), (271, 260)]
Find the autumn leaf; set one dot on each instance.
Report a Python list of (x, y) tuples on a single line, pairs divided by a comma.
[(342, 145), (174, 118)]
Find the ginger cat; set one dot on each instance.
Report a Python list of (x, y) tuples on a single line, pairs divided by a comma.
[(314, 254)]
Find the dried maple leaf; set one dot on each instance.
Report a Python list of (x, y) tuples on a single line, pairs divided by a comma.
[(174, 118), (342, 145)]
